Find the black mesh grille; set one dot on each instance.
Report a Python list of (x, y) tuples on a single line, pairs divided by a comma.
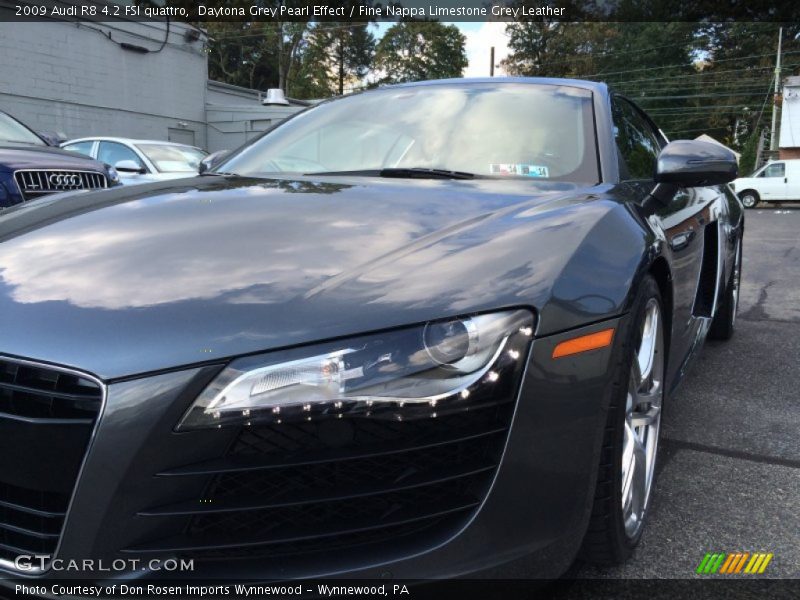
[(46, 419), (389, 481), (382, 481), (30, 391)]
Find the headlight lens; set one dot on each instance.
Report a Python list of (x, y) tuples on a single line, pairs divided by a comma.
[(416, 372)]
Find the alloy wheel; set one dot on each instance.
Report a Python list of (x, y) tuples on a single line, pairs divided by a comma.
[(749, 200), (737, 276), (642, 420)]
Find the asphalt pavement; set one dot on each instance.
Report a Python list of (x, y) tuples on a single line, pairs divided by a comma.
[(729, 471)]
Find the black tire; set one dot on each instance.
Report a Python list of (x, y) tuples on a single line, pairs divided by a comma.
[(606, 541), (724, 322), (750, 198)]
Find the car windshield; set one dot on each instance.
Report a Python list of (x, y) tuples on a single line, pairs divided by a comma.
[(12, 130), (173, 159), (514, 130)]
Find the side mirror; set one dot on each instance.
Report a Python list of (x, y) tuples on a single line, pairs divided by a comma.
[(692, 163), (52, 138), (129, 166), (212, 160)]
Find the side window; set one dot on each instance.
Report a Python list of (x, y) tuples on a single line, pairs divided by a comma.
[(775, 170), (80, 147), (637, 142), (112, 153)]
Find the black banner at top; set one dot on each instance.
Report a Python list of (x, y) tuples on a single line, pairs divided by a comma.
[(367, 10)]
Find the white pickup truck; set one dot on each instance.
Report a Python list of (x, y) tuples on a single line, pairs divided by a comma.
[(777, 181)]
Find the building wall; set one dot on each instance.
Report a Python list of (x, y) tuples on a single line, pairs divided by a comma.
[(790, 116), (71, 78), (789, 153), (235, 115)]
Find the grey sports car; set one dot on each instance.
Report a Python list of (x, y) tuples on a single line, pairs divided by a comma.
[(422, 331)]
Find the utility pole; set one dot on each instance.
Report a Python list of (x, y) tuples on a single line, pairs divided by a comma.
[(773, 140), (491, 62)]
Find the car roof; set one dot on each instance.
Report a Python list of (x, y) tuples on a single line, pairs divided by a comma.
[(595, 86), (121, 140)]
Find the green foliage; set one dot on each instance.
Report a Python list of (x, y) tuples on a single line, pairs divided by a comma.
[(418, 50), (747, 162), (692, 78), (335, 55)]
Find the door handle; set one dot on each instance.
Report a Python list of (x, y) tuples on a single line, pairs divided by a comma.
[(681, 240)]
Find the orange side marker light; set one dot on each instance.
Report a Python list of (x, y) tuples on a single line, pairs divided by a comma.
[(593, 341)]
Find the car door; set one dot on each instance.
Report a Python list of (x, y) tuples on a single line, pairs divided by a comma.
[(793, 179), (771, 182), (684, 223), (114, 152)]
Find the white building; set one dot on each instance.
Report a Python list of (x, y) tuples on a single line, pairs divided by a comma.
[(124, 79), (789, 146)]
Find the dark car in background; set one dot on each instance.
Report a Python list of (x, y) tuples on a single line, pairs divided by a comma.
[(31, 168), (417, 332)]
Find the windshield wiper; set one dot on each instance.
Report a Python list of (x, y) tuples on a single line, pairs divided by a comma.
[(404, 173), (422, 173)]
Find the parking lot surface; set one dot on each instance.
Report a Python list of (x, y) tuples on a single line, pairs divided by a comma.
[(729, 472)]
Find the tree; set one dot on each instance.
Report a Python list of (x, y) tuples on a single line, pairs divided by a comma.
[(747, 162), (417, 50), (740, 64), (334, 53), (554, 49), (240, 54), (255, 54)]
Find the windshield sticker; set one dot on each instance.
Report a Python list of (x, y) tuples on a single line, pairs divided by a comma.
[(519, 169)]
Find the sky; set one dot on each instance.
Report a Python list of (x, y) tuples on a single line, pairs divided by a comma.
[(481, 36)]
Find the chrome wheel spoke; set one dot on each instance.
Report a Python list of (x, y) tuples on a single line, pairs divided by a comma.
[(642, 420), (628, 466), (639, 481), (645, 419)]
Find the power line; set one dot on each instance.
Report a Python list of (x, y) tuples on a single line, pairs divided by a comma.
[(694, 83), (687, 96), (311, 30), (704, 72), (738, 58), (604, 54)]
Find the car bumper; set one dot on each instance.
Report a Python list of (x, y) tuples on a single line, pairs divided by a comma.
[(537, 505)]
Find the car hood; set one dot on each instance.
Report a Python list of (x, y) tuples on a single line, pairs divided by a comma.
[(23, 156), (151, 177), (157, 276)]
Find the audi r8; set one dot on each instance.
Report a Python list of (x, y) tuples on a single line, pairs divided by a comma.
[(422, 331)]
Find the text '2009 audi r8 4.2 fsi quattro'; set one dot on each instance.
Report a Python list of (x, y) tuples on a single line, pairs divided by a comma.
[(425, 330)]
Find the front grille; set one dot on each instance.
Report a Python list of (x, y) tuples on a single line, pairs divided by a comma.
[(370, 486), (35, 183), (46, 419), (309, 488)]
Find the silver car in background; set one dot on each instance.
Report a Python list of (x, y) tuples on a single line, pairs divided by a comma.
[(141, 161)]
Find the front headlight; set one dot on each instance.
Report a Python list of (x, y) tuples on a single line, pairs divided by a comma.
[(417, 372)]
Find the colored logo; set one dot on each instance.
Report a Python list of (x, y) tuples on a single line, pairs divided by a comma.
[(734, 563)]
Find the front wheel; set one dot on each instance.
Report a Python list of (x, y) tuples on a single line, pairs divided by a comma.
[(749, 198), (630, 445), (725, 320)]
